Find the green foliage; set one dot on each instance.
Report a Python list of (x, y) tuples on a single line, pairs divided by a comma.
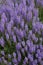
[(41, 14)]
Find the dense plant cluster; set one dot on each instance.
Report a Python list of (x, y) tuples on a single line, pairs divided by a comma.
[(21, 32)]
